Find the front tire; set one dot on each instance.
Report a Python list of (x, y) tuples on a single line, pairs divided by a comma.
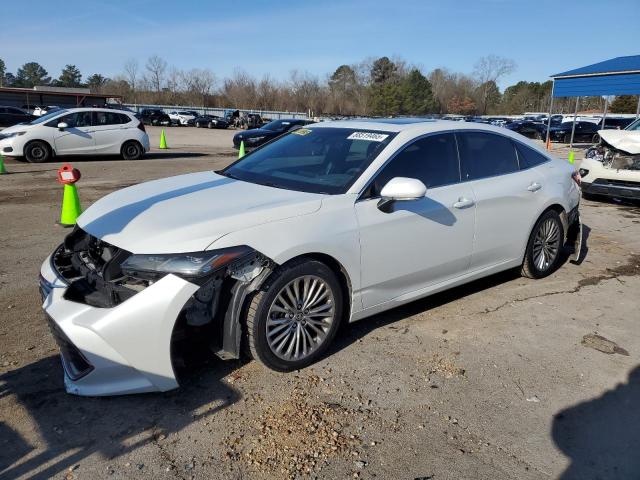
[(292, 321), (37, 152), (544, 247), (131, 150)]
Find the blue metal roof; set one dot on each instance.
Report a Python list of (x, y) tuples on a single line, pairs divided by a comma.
[(618, 76), (614, 65)]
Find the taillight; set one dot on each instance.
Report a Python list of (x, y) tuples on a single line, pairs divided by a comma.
[(141, 127)]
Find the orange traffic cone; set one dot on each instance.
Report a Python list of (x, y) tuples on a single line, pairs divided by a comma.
[(549, 143)]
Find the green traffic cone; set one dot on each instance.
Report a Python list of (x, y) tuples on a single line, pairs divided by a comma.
[(163, 140), (71, 208), (3, 170), (241, 151), (572, 157)]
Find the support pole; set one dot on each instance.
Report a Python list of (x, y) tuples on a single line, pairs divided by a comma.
[(606, 106), (573, 127), (553, 86), (638, 108)]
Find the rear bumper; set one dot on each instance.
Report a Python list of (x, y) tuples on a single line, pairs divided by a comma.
[(119, 350)]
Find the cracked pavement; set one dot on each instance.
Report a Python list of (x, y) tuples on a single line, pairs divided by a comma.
[(491, 380)]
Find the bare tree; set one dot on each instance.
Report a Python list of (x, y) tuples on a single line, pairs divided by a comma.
[(490, 69), (131, 69), (156, 67), (200, 82)]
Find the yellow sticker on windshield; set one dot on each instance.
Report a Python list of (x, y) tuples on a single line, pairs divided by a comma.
[(302, 131)]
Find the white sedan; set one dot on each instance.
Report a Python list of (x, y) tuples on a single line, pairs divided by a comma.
[(182, 118), (327, 224), (76, 131)]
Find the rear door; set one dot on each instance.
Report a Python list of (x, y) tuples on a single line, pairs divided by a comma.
[(109, 131), (507, 198), (422, 242), (77, 138)]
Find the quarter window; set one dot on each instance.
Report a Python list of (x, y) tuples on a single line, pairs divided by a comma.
[(485, 155), (528, 157), (432, 160)]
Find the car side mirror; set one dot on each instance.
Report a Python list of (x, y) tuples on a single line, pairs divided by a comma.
[(62, 126), (400, 189)]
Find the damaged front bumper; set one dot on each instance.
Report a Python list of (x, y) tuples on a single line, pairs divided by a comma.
[(127, 346)]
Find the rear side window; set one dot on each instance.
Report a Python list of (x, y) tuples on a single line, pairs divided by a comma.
[(109, 118), (432, 160), (485, 155), (528, 157)]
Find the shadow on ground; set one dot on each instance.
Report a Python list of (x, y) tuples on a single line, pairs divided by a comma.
[(601, 437), (72, 428)]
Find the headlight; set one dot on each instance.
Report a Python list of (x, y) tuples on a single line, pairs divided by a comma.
[(189, 265), (583, 172), (11, 135)]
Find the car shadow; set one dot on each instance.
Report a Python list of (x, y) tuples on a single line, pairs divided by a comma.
[(116, 158), (72, 428), (352, 332), (601, 436)]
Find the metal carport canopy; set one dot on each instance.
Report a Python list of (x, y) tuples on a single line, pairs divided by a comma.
[(618, 76)]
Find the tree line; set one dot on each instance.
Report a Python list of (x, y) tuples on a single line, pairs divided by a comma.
[(375, 86)]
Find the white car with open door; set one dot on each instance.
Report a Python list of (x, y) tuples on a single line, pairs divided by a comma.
[(76, 131), (329, 223)]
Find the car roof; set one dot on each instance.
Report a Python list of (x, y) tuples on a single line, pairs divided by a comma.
[(94, 109), (417, 126)]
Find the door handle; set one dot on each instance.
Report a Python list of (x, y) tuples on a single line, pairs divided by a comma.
[(534, 187), (463, 203)]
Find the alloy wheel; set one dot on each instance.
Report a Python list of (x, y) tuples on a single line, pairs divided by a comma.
[(546, 245), (300, 317)]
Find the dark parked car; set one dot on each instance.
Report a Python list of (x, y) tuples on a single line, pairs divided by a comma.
[(258, 136), (619, 123), (154, 116), (13, 115), (528, 128), (210, 121), (585, 132)]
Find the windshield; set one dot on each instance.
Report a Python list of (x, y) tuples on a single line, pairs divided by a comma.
[(318, 160), (634, 126), (277, 125), (47, 117)]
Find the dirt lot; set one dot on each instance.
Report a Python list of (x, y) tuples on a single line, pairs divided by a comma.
[(492, 380)]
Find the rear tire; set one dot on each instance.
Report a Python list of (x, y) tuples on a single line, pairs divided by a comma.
[(131, 150), (595, 138), (288, 326), (210, 125), (37, 152), (544, 247)]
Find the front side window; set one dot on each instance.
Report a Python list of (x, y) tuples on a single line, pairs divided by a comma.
[(432, 160), (485, 155), (319, 160), (75, 120)]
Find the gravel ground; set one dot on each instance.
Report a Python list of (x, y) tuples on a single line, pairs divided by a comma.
[(503, 378)]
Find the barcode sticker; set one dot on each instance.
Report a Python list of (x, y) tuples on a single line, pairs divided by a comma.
[(369, 136), (66, 175)]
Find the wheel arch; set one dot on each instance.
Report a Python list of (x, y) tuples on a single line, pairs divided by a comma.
[(341, 273), (52, 149)]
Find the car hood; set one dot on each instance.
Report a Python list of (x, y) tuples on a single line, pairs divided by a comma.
[(256, 132), (189, 212), (16, 128), (625, 140)]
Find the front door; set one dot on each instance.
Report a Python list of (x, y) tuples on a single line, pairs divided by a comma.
[(417, 243), (77, 138)]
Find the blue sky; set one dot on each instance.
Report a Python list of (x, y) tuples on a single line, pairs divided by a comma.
[(275, 37)]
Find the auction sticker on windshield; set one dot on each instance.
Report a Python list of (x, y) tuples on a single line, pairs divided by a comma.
[(302, 131), (370, 136)]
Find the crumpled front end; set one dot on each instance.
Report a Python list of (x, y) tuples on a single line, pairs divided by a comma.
[(118, 335)]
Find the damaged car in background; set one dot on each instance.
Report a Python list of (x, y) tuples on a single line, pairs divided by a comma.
[(327, 224), (612, 167)]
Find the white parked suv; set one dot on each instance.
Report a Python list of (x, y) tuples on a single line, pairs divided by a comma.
[(329, 223), (76, 131)]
